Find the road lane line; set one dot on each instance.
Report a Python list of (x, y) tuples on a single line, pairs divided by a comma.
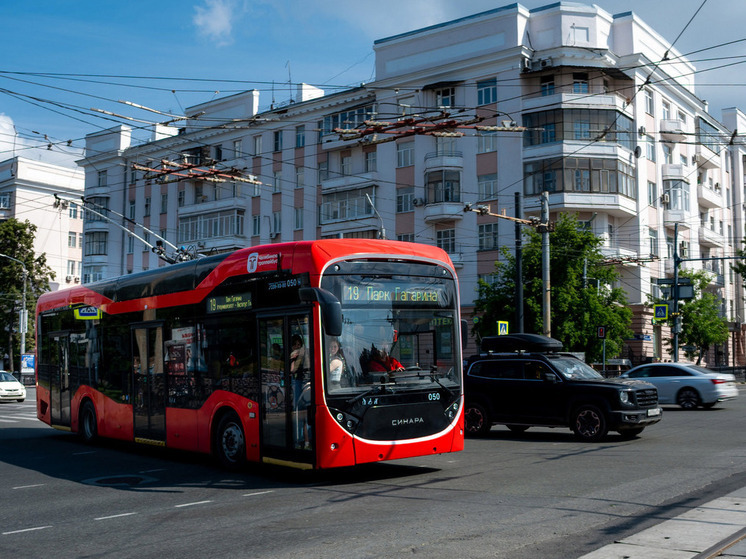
[(29, 486), (26, 530), (191, 504), (115, 516), (258, 493)]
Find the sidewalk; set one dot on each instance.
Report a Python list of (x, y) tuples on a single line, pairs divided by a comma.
[(715, 529)]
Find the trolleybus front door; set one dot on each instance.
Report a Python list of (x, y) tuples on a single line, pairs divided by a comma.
[(148, 382), (59, 378), (287, 419)]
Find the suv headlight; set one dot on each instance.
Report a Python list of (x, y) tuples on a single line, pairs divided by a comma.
[(626, 398)]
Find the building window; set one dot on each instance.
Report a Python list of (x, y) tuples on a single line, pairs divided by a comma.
[(580, 82), (487, 92), (666, 110), (667, 154), (130, 244), (132, 208), (370, 161), (95, 243), (102, 178), (547, 85), (300, 136), (650, 149), (276, 178), (486, 142), (568, 174), (72, 211), (72, 237), (443, 186), (346, 120), (649, 106), (278, 140), (345, 164), (405, 154), (237, 149), (71, 267), (164, 203), (652, 194), (567, 124), (100, 205), (227, 223), (581, 130), (487, 185), (147, 206), (678, 193), (323, 171), (488, 236), (446, 145), (256, 225), (217, 153), (653, 236), (181, 198), (300, 177), (446, 239), (276, 222), (348, 204), (406, 237), (298, 218), (445, 97), (405, 199)]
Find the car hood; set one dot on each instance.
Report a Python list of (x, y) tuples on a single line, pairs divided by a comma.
[(617, 382)]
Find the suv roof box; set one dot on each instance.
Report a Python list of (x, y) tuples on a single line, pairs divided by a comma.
[(520, 342)]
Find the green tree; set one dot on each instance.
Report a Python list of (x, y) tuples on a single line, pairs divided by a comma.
[(582, 298), (17, 241), (702, 326)]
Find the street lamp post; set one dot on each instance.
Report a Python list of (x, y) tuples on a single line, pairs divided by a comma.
[(23, 315)]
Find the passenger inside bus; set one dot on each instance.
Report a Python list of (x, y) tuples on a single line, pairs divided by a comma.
[(381, 361), (337, 365)]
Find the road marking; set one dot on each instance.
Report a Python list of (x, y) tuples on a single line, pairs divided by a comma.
[(84, 453), (26, 530), (8, 420), (115, 516), (29, 486), (258, 493), (191, 504)]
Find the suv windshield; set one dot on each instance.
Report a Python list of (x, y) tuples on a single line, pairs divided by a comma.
[(572, 368), (399, 332)]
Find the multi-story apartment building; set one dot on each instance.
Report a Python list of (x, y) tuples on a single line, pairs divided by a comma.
[(45, 195), (596, 109)]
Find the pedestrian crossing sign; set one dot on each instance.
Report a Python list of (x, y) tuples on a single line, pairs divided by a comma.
[(661, 312), (502, 327)]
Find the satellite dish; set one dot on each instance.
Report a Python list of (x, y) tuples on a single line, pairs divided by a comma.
[(638, 152)]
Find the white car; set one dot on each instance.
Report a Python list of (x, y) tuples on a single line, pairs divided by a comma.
[(10, 388), (685, 384)]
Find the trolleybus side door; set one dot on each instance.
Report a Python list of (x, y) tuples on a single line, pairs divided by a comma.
[(59, 378), (286, 376), (148, 382)]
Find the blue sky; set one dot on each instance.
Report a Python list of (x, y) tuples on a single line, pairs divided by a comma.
[(171, 54)]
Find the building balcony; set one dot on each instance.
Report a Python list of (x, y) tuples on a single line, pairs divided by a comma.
[(577, 100), (617, 253), (672, 130), (706, 159), (439, 160), (346, 182), (444, 211), (672, 216), (709, 197), (204, 205), (709, 238), (609, 203), (673, 172)]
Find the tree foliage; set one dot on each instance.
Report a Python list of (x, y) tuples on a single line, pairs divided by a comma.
[(702, 325), (582, 298), (17, 241)]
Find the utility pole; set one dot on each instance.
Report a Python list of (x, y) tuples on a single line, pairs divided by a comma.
[(518, 266), (546, 283)]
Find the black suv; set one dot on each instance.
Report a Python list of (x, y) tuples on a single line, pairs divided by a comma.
[(524, 380)]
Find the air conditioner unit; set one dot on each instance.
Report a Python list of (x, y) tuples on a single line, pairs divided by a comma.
[(684, 249), (417, 202), (525, 65), (666, 198), (68, 278), (273, 235), (76, 279), (642, 131), (545, 62)]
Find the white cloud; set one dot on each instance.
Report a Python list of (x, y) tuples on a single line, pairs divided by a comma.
[(12, 145), (214, 20)]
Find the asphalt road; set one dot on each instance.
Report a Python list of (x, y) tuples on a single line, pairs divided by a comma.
[(538, 494)]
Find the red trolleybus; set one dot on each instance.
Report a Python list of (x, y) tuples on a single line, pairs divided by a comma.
[(231, 354)]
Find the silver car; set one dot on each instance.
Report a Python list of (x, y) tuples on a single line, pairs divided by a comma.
[(685, 384), (10, 388)]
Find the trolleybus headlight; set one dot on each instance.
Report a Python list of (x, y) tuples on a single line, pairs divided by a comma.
[(347, 421), (452, 411)]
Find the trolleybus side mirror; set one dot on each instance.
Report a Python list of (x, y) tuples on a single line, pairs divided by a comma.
[(331, 308)]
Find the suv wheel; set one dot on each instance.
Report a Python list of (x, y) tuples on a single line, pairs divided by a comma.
[(476, 418), (589, 423)]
